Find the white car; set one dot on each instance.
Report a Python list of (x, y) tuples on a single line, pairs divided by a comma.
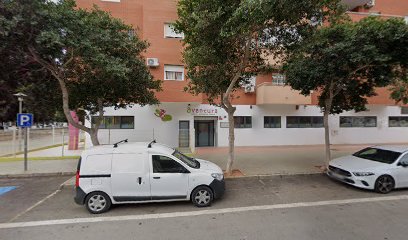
[(381, 168), (144, 172)]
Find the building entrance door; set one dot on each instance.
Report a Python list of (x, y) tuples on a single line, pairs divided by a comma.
[(204, 133)]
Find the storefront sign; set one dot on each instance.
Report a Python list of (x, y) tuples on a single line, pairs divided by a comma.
[(203, 110)]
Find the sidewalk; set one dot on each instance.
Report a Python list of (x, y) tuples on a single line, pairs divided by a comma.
[(276, 160), (270, 160)]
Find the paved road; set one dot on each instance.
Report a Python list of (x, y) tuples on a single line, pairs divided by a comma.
[(28, 192), (290, 207)]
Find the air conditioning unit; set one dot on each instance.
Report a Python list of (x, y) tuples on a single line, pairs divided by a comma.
[(370, 4), (249, 88), (152, 62)]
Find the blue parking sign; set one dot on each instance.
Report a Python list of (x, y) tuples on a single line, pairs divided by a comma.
[(25, 119)]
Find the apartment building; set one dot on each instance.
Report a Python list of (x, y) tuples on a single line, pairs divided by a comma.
[(268, 112)]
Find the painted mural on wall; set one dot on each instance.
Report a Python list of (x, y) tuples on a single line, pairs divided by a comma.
[(161, 113)]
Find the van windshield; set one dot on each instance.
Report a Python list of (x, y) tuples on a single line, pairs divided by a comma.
[(191, 162)]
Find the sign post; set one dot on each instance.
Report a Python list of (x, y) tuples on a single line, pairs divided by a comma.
[(25, 120)]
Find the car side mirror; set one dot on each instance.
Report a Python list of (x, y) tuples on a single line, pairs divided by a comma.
[(403, 164)]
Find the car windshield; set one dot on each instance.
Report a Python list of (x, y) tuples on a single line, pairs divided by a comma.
[(378, 155), (191, 162)]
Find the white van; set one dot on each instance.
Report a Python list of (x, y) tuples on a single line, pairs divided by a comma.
[(144, 172)]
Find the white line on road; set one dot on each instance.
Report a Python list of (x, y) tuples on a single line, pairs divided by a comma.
[(197, 213)]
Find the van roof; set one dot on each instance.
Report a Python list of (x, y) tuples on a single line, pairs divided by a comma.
[(130, 147)]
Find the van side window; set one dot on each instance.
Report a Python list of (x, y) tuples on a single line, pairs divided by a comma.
[(163, 164)]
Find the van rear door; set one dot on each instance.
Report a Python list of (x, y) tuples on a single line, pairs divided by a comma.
[(130, 177)]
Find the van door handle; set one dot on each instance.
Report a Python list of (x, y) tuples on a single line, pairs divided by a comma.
[(156, 177), (140, 180)]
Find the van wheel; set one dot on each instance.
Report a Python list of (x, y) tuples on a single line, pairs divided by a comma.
[(97, 202), (202, 196)]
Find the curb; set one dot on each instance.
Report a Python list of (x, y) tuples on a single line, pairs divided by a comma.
[(277, 175), (27, 175)]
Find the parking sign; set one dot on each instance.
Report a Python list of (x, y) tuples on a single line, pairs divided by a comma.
[(24, 119)]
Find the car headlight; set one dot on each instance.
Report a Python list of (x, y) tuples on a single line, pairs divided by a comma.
[(218, 176), (363, 174)]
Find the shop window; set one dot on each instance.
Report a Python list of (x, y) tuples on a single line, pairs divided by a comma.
[(304, 122), (173, 72), (398, 121), (116, 122), (169, 32), (358, 121), (242, 122), (272, 122)]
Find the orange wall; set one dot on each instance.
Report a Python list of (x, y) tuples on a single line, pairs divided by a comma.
[(149, 16)]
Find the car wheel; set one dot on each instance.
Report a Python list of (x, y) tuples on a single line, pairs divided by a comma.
[(202, 196), (384, 184), (97, 202)]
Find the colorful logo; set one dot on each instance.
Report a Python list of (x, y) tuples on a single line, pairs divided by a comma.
[(161, 113)]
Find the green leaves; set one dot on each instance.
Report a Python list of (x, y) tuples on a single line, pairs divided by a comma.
[(216, 33), (89, 49), (348, 60)]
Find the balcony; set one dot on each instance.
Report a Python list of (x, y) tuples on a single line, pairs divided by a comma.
[(267, 93), (351, 4)]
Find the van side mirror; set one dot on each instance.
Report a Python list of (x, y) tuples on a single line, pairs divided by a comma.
[(183, 170)]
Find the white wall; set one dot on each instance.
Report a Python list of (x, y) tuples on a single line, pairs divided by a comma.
[(167, 132)]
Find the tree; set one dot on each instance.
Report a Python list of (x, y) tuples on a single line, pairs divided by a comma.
[(90, 54), (345, 61), (227, 42)]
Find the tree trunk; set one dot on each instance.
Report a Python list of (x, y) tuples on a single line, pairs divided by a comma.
[(58, 74), (94, 137), (327, 136), (231, 140)]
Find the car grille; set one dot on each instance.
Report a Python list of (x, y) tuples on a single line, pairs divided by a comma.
[(339, 171)]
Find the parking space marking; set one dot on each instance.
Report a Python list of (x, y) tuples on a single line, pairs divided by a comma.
[(35, 205), (6, 189), (198, 213)]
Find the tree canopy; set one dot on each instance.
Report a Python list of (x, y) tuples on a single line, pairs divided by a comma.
[(345, 61), (227, 42), (90, 54)]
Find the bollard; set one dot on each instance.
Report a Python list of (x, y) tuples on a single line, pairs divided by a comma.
[(53, 135), (14, 143), (62, 144)]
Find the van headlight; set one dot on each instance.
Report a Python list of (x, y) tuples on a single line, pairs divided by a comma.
[(218, 176), (363, 174)]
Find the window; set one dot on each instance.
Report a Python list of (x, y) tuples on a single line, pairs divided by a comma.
[(358, 121), (304, 122), (174, 72), (116, 122), (404, 110), (378, 155), (398, 122), (163, 164), (272, 122), (169, 32), (278, 79), (242, 122)]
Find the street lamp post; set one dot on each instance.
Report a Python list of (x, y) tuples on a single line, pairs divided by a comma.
[(20, 97)]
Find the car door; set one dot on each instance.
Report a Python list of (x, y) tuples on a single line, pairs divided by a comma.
[(401, 171), (168, 178), (130, 177)]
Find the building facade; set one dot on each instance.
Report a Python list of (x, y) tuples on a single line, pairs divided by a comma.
[(268, 112)]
